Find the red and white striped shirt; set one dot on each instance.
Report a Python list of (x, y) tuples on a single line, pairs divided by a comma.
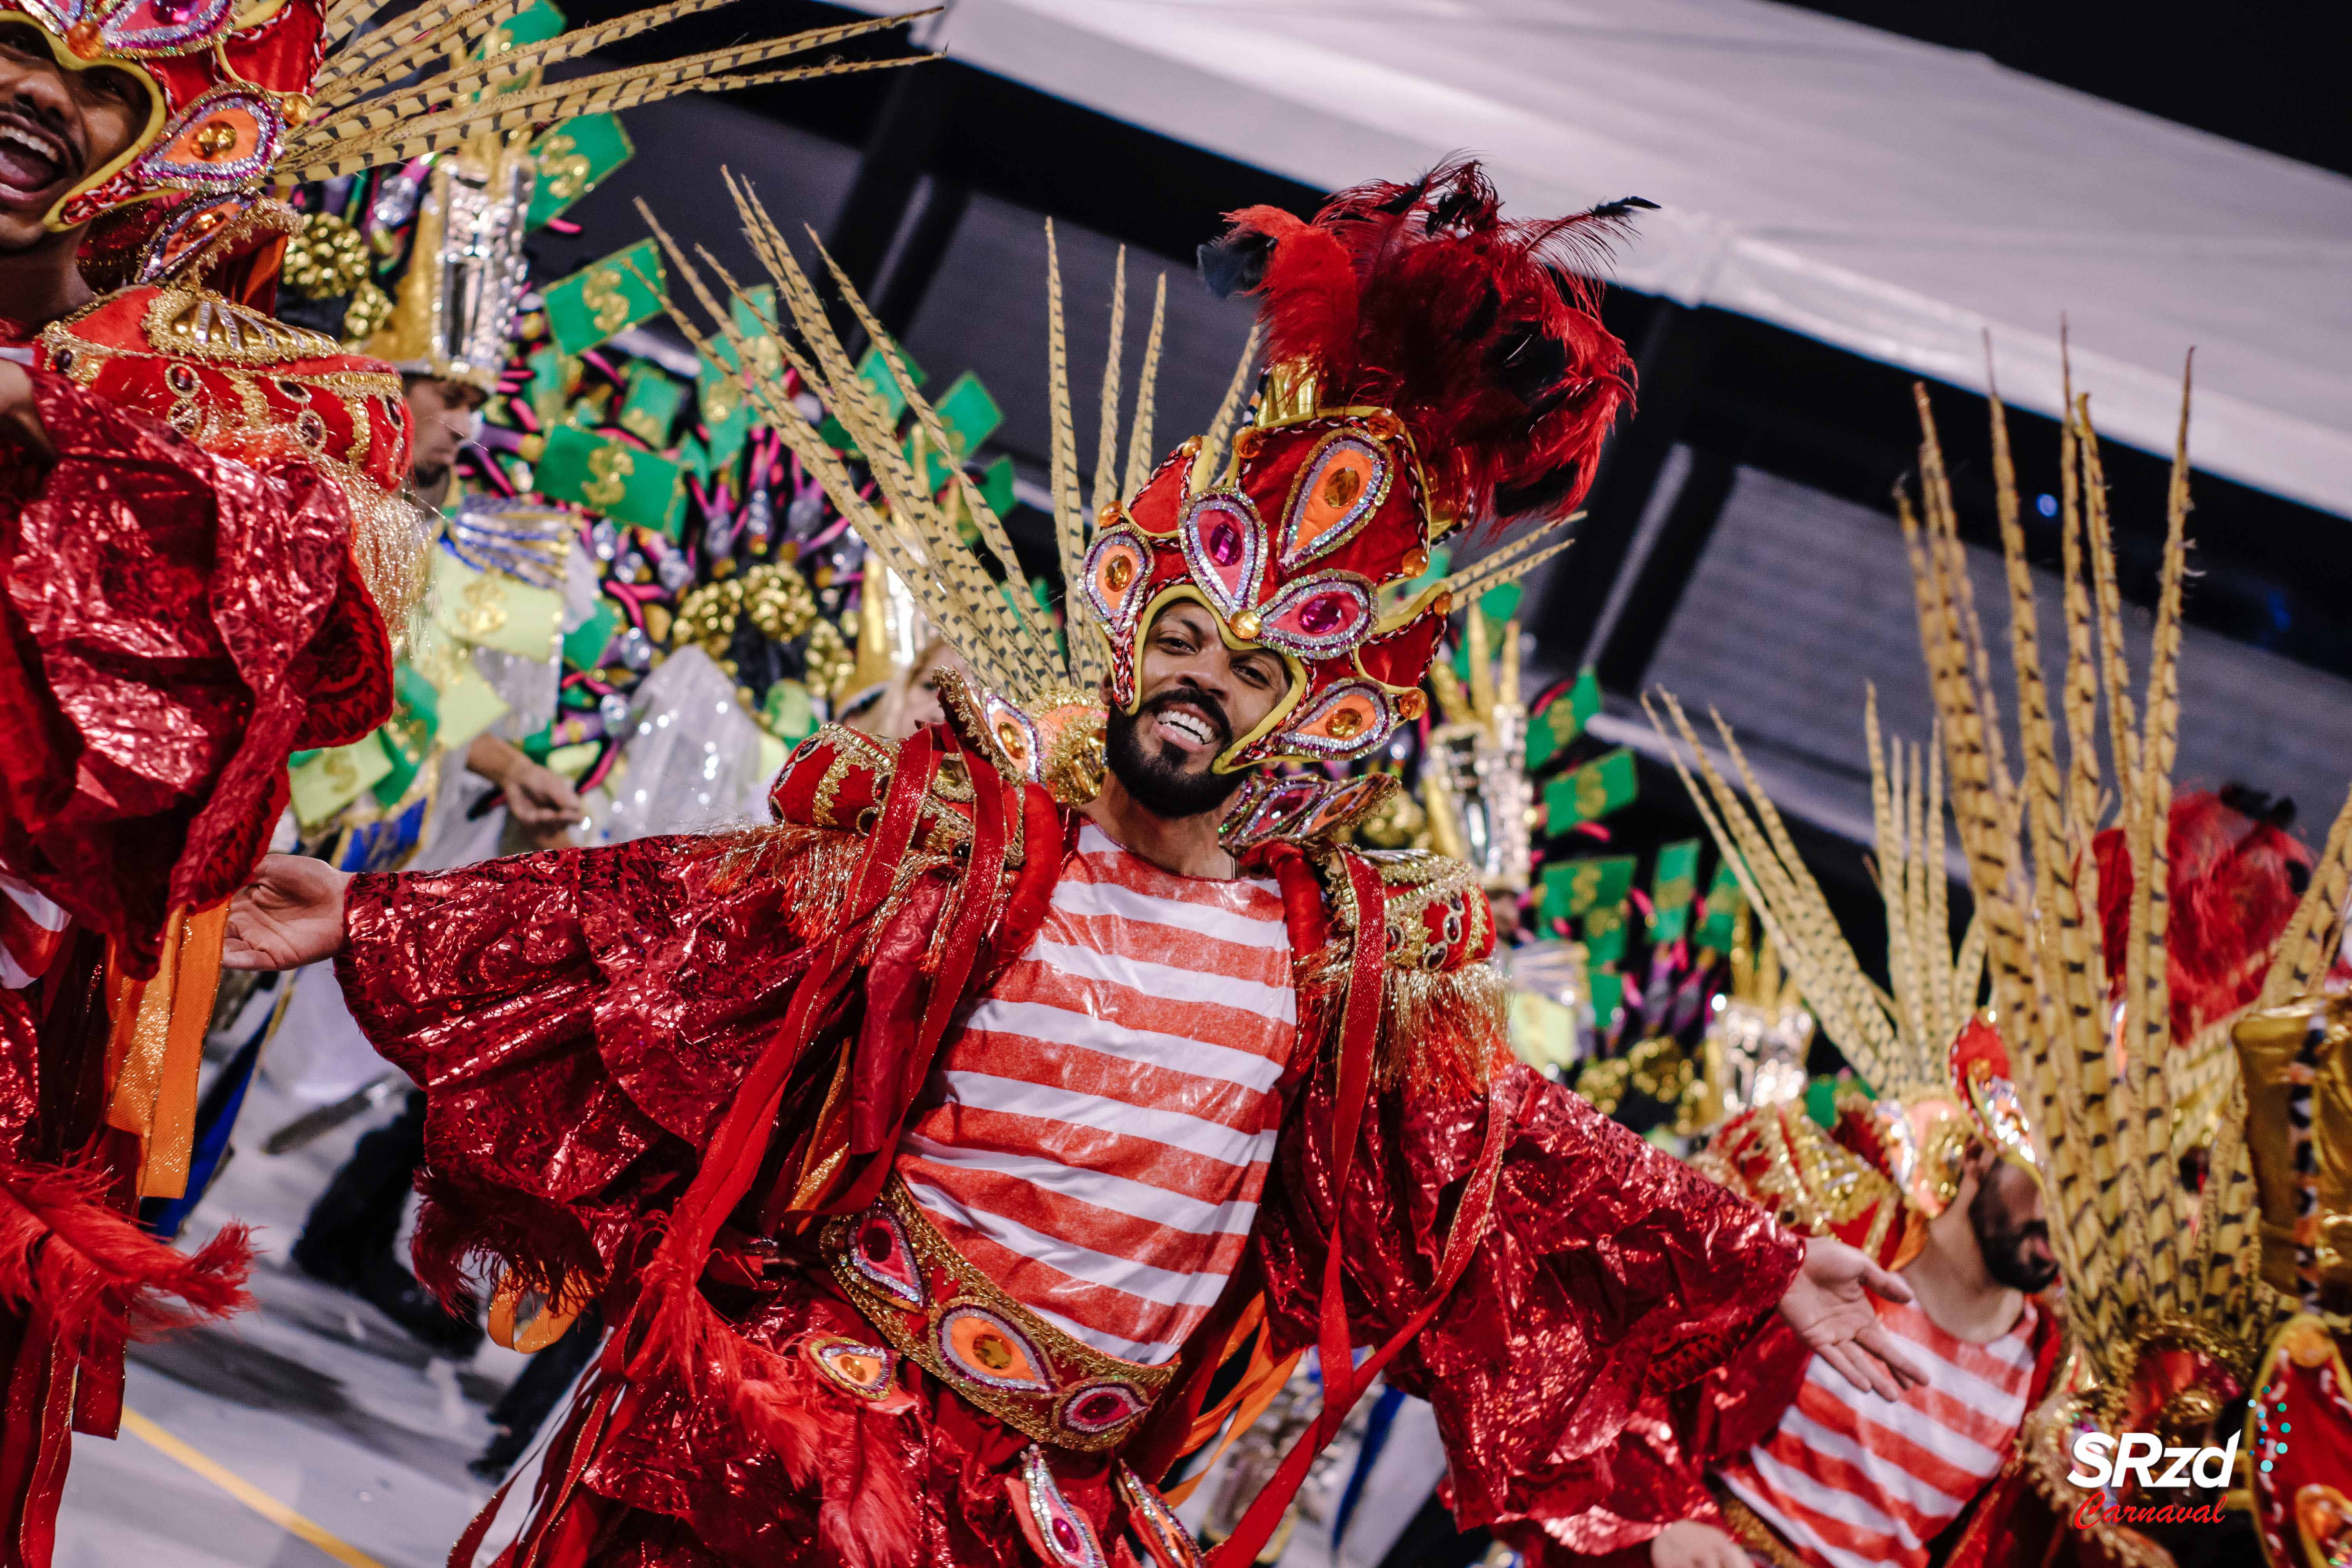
[(1095, 1138), (32, 929), (1852, 1480)]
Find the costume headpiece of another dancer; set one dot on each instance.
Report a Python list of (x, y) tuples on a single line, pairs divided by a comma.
[(243, 94), (2165, 1298), (1937, 1072), (1431, 367)]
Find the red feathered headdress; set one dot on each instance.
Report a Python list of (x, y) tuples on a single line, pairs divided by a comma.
[(2235, 876), (1431, 365)]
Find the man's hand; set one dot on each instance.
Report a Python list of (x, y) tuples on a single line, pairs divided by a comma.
[(1828, 1304), (20, 421), (541, 801), (1688, 1543), (543, 804), (290, 914)]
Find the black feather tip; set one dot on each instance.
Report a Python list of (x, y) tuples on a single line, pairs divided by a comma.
[(1236, 264), (1624, 206)]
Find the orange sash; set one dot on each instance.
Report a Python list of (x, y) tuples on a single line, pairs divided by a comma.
[(156, 1050)]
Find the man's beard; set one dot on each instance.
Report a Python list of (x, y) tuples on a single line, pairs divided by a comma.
[(1158, 784), (2004, 1247)]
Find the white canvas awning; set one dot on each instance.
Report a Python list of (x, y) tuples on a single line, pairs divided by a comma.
[(1892, 198)]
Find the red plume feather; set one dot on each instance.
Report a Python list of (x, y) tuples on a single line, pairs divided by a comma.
[(1476, 331)]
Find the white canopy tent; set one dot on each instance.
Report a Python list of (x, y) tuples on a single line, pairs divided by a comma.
[(1892, 198)]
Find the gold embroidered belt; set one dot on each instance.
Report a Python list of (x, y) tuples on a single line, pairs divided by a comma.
[(935, 1309), (1755, 1534)]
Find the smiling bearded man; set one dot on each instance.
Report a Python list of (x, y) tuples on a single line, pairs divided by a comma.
[(956, 1153)]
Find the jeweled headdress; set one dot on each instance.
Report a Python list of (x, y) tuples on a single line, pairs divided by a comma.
[(1433, 367), (454, 310), (243, 94), (1475, 777)]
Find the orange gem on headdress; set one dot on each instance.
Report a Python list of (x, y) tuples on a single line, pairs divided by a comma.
[(215, 139), (1120, 574), (1345, 724), (1411, 704), (1415, 562), (85, 41)]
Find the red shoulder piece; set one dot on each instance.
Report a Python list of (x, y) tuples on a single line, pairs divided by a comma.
[(180, 623), (831, 780), (237, 382), (1778, 1158)]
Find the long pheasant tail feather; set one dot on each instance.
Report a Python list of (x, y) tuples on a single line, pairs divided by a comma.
[(1808, 913), (2115, 669), (1514, 561), (525, 63), (1765, 883), (1069, 516), (2151, 910), (1147, 396), (992, 529), (1887, 840), (1107, 491), (1211, 455)]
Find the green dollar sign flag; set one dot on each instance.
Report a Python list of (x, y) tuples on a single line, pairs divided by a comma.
[(607, 297), (1673, 884), (1563, 719)]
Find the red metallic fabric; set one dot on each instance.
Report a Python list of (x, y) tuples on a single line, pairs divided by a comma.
[(1657, 1470), (584, 1021), (176, 624), (1605, 1257)]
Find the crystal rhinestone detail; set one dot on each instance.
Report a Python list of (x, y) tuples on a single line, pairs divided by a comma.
[(1100, 1407), (1317, 617), (863, 1370), (1338, 488), (1224, 549), (1065, 1537)]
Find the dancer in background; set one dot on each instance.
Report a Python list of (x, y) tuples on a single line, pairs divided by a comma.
[(207, 563)]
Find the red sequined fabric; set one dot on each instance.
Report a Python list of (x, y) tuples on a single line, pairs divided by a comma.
[(174, 623), (580, 1021)]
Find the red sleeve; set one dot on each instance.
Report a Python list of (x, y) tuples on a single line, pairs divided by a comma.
[(175, 625), (1607, 1263), (578, 1019)]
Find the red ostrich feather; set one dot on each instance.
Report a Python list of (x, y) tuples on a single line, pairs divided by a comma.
[(1480, 332)]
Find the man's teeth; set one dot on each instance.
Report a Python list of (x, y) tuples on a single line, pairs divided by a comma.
[(1188, 724), (40, 146)]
